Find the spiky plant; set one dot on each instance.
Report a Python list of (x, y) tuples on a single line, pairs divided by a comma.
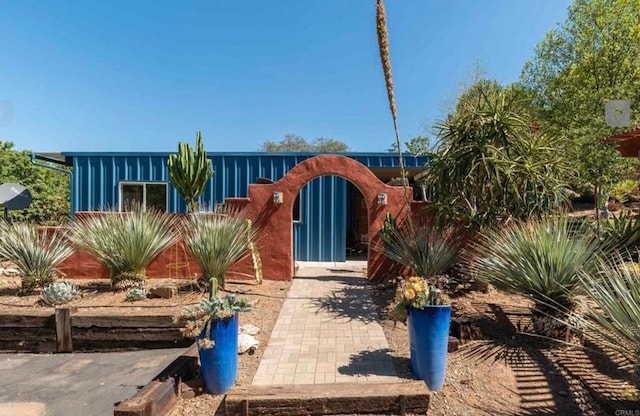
[(59, 293), (35, 254), (217, 242), (125, 243), (425, 250), (189, 172), (540, 259), (612, 316)]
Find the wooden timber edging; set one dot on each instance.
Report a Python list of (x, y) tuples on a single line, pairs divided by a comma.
[(328, 399), (67, 330), (159, 396)]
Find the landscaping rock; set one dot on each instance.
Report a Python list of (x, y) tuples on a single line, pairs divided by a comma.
[(249, 329), (247, 343), (165, 292)]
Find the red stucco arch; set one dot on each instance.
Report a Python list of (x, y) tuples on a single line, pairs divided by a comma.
[(274, 220)]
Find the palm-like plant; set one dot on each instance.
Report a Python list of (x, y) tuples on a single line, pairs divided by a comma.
[(491, 165), (217, 242), (540, 259), (427, 251), (613, 315), (35, 254), (126, 243)]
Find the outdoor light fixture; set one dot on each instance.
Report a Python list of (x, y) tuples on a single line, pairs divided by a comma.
[(278, 198), (382, 199)]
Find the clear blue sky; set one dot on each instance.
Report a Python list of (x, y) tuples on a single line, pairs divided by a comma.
[(143, 75)]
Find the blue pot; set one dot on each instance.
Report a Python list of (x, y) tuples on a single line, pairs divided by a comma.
[(429, 340), (219, 364)]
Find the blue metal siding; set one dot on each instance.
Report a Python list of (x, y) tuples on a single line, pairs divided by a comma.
[(321, 234)]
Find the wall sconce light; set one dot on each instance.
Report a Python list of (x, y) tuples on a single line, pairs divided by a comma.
[(382, 199), (278, 198)]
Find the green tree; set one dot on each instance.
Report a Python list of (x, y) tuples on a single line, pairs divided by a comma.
[(190, 171), (49, 189), (294, 143), (492, 164), (589, 59), (419, 145)]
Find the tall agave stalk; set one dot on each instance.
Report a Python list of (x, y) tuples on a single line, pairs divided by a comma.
[(613, 312), (35, 254), (126, 243), (385, 60), (541, 259), (216, 243), (189, 172)]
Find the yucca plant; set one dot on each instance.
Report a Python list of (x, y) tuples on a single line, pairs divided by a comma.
[(427, 251), (126, 243), (540, 259), (612, 309), (35, 254), (620, 232), (217, 242)]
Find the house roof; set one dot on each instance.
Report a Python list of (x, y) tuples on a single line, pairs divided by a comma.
[(627, 142)]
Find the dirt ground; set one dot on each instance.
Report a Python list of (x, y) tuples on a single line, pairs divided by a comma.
[(504, 373)]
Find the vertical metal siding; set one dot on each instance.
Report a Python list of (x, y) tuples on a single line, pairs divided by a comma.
[(320, 236)]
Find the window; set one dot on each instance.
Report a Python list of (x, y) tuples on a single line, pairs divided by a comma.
[(147, 194), (297, 213)]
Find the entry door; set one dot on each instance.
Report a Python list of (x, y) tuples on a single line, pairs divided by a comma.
[(320, 232)]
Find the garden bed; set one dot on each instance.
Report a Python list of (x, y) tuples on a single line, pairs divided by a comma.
[(101, 319)]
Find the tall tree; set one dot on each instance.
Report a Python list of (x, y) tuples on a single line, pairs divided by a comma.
[(50, 190), (419, 145), (589, 59), (294, 143)]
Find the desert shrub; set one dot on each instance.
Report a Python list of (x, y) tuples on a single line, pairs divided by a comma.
[(541, 259), (428, 251), (126, 243), (35, 254), (624, 190), (612, 311), (217, 242)]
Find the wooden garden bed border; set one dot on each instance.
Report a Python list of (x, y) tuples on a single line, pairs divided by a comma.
[(67, 330)]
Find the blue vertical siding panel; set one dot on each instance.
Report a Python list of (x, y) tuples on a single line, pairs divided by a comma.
[(320, 236)]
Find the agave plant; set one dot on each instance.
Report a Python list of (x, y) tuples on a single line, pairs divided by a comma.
[(612, 311), (35, 254), (126, 243), (541, 259), (59, 293), (427, 251), (217, 242)]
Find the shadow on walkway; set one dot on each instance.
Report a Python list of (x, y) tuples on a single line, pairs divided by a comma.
[(377, 362)]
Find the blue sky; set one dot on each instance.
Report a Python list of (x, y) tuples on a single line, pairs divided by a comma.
[(143, 75)]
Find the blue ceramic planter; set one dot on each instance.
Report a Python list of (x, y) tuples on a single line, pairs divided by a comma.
[(219, 364), (429, 339)]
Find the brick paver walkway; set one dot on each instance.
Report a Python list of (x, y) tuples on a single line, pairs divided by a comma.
[(327, 332)]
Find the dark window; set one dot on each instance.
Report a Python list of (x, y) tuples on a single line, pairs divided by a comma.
[(147, 194), (297, 214)]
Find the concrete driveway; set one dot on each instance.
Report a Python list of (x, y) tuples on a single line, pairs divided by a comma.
[(78, 384)]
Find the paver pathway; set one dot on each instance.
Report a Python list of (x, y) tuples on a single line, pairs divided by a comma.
[(327, 332)]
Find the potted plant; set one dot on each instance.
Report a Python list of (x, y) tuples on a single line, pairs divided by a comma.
[(214, 323), (428, 314), (217, 242)]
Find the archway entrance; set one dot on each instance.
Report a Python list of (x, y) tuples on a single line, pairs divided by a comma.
[(330, 223), (270, 206)]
